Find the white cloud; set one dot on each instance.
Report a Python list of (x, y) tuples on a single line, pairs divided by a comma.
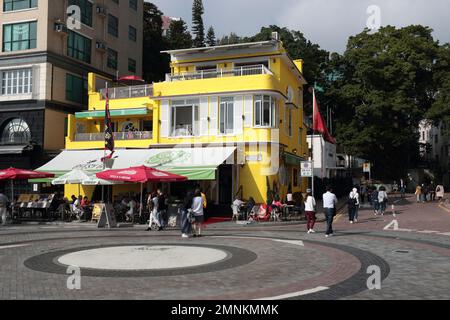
[(326, 22)]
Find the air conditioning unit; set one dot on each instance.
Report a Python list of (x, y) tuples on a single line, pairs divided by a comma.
[(100, 46), (61, 27), (101, 11)]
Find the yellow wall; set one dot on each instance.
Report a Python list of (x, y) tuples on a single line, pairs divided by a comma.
[(276, 84)]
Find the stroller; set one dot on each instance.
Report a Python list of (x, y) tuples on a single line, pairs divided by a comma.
[(260, 213)]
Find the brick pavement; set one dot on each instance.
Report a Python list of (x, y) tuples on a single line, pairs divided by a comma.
[(415, 265)]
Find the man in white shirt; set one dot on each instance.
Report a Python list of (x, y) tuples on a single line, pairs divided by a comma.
[(329, 204)]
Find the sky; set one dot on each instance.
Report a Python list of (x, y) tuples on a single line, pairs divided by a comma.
[(328, 23)]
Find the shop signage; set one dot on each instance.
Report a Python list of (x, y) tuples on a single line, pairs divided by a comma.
[(306, 169)]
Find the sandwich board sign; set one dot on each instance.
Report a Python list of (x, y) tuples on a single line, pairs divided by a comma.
[(306, 169), (106, 216)]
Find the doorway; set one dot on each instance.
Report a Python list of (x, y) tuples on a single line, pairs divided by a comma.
[(225, 184)]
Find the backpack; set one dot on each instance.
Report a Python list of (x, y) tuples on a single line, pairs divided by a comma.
[(351, 202)]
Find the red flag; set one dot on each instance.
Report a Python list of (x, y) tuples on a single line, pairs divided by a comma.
[(109, 136), (319, 123)]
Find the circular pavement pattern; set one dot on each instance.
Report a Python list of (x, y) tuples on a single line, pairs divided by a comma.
[(143, 257), (220, 258)]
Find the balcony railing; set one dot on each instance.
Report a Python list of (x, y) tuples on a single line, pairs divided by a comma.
[(145, 90), (100, 136), (208, 74)]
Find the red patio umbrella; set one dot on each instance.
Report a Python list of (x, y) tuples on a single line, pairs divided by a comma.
[(140, 174), (131, 79), (21, 174)]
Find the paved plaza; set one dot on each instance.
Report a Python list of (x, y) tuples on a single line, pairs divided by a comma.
[(409, 253)]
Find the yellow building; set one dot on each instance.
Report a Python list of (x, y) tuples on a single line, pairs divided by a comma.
[(229, 117)]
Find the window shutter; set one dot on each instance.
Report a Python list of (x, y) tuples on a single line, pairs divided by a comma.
[(204, 116), (213, 123), (238, 112), (165, 115), (248, 109)]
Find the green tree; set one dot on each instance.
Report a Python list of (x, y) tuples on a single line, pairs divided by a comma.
[(178, 36), (211, 37), (232, 38), (155, 64), (440, 109), (381, 88), (198, 28), (315, 60)]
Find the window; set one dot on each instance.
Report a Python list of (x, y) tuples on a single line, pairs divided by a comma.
[(423, 135), (300, 138), (19, 36), (132, 33), (76, 89), (436, 139), (16, 131), (226, 116), (116, 1), (132, 65), (79, 47), (288, 124), (112, 59), (185, 118), (113, 25), (146, 125), (17, 81), (265, 111), (133, 4), (12, 5), (86, 10)]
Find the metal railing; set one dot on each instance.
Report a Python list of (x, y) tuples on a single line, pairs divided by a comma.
[(145, 90), (99, 136), (208, 74)]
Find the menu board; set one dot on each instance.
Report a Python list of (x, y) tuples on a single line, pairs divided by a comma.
[(107, 216)]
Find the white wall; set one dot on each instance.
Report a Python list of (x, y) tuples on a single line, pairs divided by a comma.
[(324, 156)]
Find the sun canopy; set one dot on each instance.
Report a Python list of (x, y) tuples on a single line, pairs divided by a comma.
[(75, 176), (78, 176), (140, 174), (193, 163), (16, 174)]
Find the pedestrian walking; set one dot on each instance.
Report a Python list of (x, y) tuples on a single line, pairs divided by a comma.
[(402, 188), (382, 199), (440, 192), (353, 205), (197, 209), (432, 190), (3, 207), (329, 204), (185, 208), (375, 203), (154, 213), (162, 209), (310, 211), (363, 191), (423, 194), (418, 193)]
